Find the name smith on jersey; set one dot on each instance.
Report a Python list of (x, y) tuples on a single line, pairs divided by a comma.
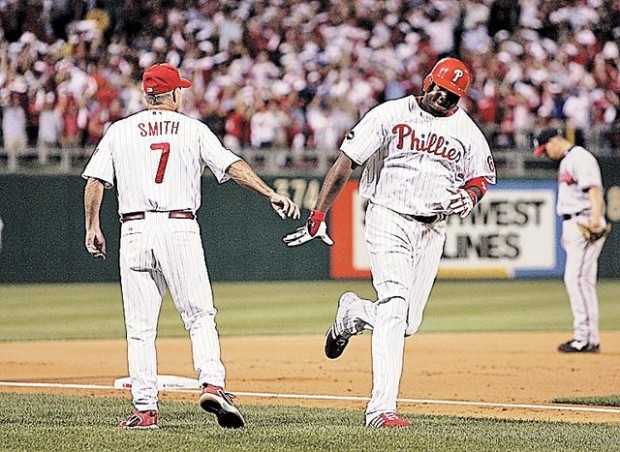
[(156, 128)]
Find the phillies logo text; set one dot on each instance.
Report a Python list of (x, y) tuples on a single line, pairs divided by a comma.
[(433, 144)]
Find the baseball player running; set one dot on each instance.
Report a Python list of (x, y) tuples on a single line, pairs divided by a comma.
[(156, 158), (424, 159), (581, 206)]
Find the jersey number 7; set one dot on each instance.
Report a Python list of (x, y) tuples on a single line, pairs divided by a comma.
[(163, 161)]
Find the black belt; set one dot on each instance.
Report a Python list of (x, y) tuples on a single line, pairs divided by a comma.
[(183, 214), (568, 216), (426, 220)]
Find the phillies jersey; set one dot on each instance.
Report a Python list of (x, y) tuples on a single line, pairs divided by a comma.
[(156, 158), (578, 171), (413, 158)]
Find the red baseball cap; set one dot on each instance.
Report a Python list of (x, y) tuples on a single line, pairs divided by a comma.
[(543, 138), (162, 78)]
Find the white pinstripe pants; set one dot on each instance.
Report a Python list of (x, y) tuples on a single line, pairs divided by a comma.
[(404, 259), (158, 253), (580, 273)]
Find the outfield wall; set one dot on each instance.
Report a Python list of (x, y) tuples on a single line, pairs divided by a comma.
[(514, 232), (43, 234)]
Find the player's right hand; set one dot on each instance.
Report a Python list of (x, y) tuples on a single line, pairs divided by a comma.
[(314, 227), (284, 207), (95, 243)]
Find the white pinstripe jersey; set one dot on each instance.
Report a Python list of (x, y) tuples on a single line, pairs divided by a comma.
[(156, 159), (412, 158), (578, 171)]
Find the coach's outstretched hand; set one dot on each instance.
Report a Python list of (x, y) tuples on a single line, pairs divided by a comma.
[(314, 227), (284, 207)]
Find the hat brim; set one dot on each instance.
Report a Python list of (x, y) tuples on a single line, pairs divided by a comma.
[(540, 150), (185, 83)]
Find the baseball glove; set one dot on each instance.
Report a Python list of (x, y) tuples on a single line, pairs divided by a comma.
[(592, 235)]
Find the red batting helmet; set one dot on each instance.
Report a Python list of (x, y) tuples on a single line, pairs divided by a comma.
[(450, 74)]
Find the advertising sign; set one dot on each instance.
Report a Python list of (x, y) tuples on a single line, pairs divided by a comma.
[(513, 232)]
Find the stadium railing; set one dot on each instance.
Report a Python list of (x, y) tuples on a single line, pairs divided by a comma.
[(32, 160), (511, 160)]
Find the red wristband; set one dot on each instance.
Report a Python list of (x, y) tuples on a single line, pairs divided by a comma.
[(314, 221), (480, 183), (317, 215), (473, 195)]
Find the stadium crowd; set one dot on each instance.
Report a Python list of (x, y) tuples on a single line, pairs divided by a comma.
[(297, 74)]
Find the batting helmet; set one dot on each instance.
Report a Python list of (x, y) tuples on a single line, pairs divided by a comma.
[(450, 74)]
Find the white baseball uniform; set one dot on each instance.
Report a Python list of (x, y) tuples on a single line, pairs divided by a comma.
[(412, 159), (578, 172), (156, 159)]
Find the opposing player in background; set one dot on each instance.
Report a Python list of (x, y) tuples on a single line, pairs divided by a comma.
[(424, 159), (156, 158), (581, 206)]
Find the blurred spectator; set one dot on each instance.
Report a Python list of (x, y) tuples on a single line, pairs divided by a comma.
[(97, 121), (576, 109), (71, 134), (14, 123), (504, 15), (238, 126), (50, 126), (211, 115), (267, 126), (329, 122), (523, 118)]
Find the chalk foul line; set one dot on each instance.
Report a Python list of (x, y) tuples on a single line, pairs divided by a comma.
[(267, 395)]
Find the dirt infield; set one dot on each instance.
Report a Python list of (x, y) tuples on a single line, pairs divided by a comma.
[(505, 369)]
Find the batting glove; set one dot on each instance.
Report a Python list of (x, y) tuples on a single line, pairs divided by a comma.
[(314, 227), (461, 202)]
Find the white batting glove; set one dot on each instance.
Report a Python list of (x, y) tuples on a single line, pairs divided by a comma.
[(461, 202), (314, 227), (284, 207)]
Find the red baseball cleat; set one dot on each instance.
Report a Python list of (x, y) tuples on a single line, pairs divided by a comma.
[(385, 420), (214, 400), (140, 420)]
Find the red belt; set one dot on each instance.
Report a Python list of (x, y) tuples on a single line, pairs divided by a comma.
[(183, 214)]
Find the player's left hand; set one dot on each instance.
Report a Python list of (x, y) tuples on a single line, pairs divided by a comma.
[(284, 207), (314, 227), (592, 233), (461, 202)]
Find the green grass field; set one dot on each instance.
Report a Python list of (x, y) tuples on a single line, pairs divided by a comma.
[(64, 423), (91, 311)]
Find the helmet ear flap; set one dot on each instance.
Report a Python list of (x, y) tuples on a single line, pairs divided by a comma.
[(427, 82)]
